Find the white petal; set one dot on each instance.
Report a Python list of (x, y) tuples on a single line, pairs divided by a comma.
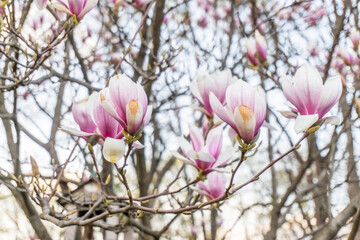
[(333, 120), (303, 122), (114, 149)]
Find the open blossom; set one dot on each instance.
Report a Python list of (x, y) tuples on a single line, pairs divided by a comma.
[(128, 104), (214, 186), (216, 83), (75, 7), (204, 156), (93, 119), (245, 111), (312, 99)]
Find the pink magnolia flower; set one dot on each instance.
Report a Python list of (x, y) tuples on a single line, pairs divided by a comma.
[(75, 7), (214, 186), (261, 46), (128, 104), (216, 83), (93, 119), (245, 111), (204, 156), (312, 99)]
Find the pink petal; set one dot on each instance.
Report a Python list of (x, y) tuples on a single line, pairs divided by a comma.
[(214, 141), (147, 115), (106, 124), (216, 184), (291, 94), (259, 108), (197, 138), (122, 91), (76, 132), (62, 7), (308, 84), (221, 112), (82, 116), (330, 95)]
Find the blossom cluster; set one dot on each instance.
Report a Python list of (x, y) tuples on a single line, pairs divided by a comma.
[(116, 113)]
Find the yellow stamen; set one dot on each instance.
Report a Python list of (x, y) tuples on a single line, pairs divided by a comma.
[(134, 106), (102, 97), (246, 113)]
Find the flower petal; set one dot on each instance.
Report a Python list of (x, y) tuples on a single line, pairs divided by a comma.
[(90, 4), (330, 95), (303, 122), (308, 83), (214, 141), (245, 123), (292, 96), (220, 111), (197, 138)]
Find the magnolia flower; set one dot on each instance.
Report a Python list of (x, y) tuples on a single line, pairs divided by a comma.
[(261, 46), (128, 104), (76, 8), (93, 119), (312, 99), (245, 111), (206, 157), (214, 186), (216, 83)]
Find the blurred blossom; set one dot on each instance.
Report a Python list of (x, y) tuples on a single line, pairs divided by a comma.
[(213, 187), (313, 50), (284, 14), (251, 51), (245, 110), (41, 4), (204, 156), (216, 83), (311, 99), (261, 46), (76, 8), (141, 3), (347, 56), (165, 19), (202, 22), (355, 36), (261, 26), (127, 103)]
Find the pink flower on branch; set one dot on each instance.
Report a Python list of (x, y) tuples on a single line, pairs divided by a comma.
[(77, 8), (205, 157), (312, 99), (216, 83), (245, 111), (93, 119), (214, 186), (128, 104)]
